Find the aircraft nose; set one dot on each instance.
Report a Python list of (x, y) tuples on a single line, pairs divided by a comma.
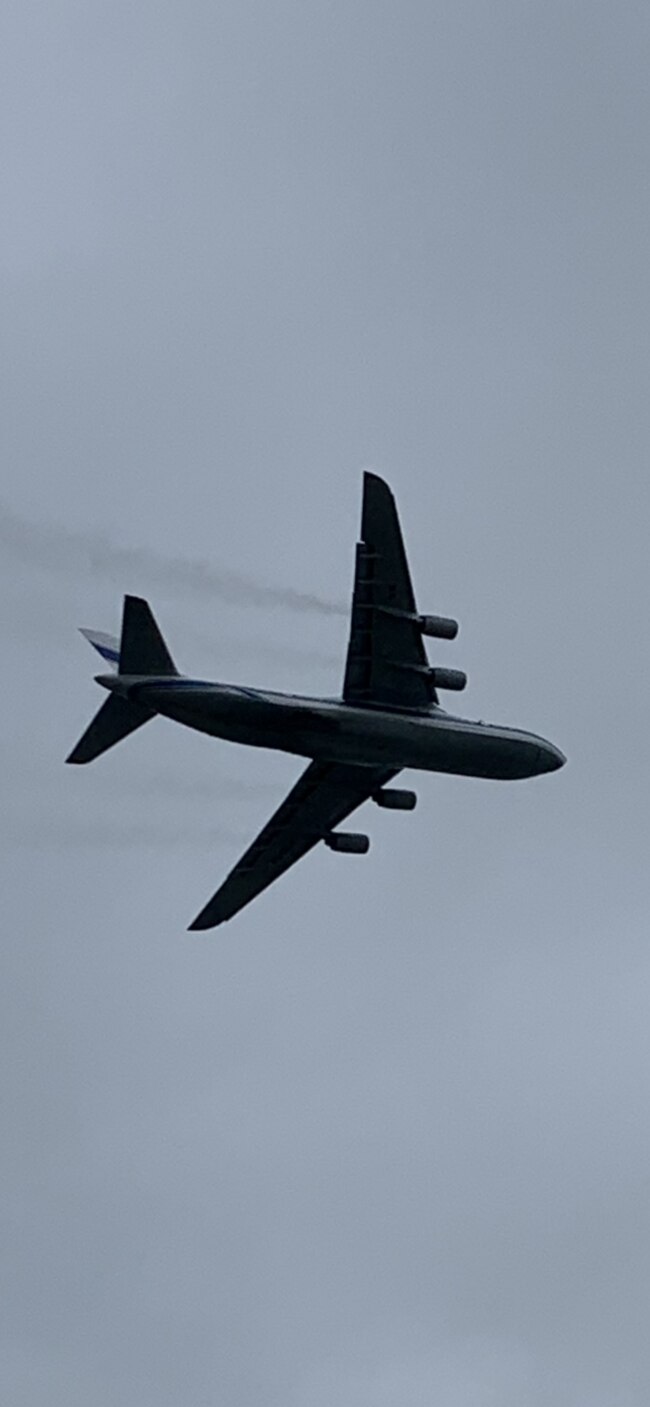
[(551, 758)]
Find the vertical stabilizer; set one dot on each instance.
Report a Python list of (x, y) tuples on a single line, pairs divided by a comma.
[(142, 648), (141, 651)]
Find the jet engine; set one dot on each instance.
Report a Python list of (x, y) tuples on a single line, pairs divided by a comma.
[(347, 842), (439, 627), (448, 679), (392, 799)]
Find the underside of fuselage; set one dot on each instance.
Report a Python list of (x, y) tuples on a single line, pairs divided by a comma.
[(327, 730)]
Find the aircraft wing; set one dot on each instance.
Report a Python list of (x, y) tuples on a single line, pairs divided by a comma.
[(323, 796), (386, 661)]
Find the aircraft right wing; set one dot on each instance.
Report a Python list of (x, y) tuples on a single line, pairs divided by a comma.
[(323, 796), (386, 661)]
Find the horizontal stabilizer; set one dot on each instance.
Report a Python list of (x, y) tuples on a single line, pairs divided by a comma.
[(108, 646), (116, 718)]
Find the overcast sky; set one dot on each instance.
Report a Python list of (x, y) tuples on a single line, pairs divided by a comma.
[(383, 1140)]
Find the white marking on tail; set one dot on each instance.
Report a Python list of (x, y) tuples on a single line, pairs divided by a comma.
[(108, 646)]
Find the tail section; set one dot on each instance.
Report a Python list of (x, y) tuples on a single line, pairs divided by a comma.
[(117, 718), (108, 646), (140, 651), (142, 648)]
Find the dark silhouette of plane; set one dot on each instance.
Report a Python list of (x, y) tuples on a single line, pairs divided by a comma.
[(388, 717)]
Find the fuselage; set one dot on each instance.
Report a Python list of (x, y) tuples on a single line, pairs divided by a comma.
[(334, 731)]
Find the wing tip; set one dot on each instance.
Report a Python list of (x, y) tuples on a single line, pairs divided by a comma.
[(372, 480), (378, 506), (203, 922)]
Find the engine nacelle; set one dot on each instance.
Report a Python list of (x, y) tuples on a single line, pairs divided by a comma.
[(439, 627), (448, 679), (347, 842), (392, 799)]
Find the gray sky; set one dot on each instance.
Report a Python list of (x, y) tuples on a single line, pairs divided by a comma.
[(383, 1141)]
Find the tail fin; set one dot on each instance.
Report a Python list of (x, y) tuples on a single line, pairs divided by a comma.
[(141, 651), (142, 648)]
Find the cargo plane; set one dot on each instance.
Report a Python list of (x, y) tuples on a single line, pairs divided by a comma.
[(388, 717)]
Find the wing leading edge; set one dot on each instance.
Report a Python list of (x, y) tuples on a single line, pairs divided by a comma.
[(323, 796)]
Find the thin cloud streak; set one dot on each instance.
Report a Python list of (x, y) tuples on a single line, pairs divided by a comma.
[(169, 786), (58, 549), (97, 833), (162, 785)]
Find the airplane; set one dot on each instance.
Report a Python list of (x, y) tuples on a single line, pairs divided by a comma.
[(388, 718)]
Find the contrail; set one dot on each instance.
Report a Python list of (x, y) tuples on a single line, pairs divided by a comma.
[(43, 620), (70, 550), (262, 650)]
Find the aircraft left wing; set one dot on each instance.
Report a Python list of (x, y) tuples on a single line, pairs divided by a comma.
[(323, 796)]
